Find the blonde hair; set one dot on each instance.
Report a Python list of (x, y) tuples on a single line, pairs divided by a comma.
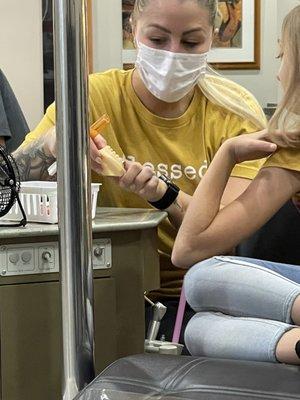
[(233, 97), (210, 5), (285, 117), (220, 91)]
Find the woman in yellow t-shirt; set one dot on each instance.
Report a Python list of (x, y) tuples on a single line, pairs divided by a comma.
[(246, 309), (167, 117), (167, 113)]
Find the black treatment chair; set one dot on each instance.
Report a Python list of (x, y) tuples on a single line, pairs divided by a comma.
[(165, 377)]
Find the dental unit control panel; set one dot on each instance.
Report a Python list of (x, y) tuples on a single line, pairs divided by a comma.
[(39, 258)]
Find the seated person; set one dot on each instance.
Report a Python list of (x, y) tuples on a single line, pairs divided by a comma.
[(13, 126), (246, 309)]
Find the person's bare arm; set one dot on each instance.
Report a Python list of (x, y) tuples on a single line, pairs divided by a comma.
[(234, 188), (144, 182), (34, 158), (2, 141), (207, 230)]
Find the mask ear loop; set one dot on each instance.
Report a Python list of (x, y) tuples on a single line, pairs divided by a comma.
[(134, 40)]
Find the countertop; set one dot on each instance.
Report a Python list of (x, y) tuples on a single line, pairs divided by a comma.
[(106, 220)]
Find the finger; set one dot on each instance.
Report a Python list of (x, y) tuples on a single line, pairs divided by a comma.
[(127, 164), (130, 175), (96, 167), (143, 177), (94, 152), (266, 146), (293, 138), (261, 135), (100, 142), (149, 191), (280, 138)]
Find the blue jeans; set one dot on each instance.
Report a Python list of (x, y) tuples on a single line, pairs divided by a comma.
[(243, 307)]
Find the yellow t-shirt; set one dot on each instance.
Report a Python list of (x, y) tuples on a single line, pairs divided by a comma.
[(287, 159), (284, 158), (180, 147)]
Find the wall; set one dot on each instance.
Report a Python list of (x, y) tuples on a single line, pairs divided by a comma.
[(283, 7), (262, 83), (107, 34), (21, 54)]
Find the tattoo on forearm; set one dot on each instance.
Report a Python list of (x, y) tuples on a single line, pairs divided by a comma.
[(33, 162)]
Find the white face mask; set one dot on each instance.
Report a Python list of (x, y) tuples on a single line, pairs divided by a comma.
[(169, 76)]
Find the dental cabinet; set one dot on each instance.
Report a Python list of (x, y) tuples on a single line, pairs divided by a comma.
[(125, 262)]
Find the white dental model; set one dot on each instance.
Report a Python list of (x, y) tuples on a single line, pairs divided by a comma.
[(111, 162)]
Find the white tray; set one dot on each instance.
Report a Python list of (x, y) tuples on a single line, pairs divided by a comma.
[(39, 200)]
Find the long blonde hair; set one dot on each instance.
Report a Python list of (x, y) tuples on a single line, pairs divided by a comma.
[(287, 115), (218, 90)]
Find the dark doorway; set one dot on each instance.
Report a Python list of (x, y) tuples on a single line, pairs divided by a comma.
[(48, 63)]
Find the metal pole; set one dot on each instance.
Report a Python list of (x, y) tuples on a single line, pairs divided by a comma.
[(74, 195)]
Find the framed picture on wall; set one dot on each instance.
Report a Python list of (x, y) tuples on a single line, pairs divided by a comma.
[(129, 52), (237, 41)]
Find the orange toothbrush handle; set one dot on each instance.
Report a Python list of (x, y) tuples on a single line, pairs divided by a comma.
[(98, 126)]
